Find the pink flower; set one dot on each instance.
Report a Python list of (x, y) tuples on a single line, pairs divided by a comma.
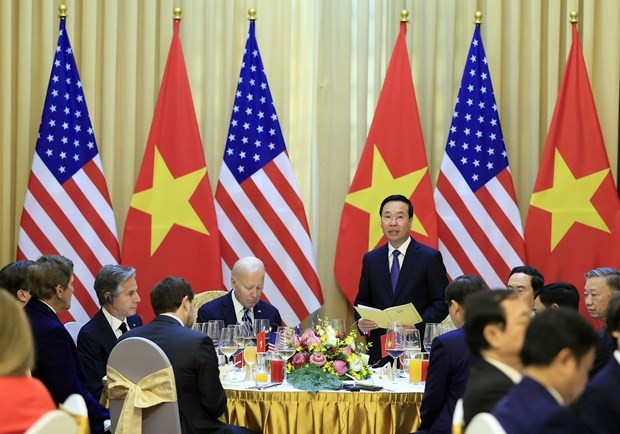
[(318, 359), (348, 351), (299, 359), (309, 337), (340, 367)]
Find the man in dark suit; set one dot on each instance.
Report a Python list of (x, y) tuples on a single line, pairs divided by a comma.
[(557, 355), (243, 303), (117, 291), (601, 284), (599, 407), (201, 397), (400, 272), (57, 362), (495, 324), (525, 281), (450, 361), (14, 278)]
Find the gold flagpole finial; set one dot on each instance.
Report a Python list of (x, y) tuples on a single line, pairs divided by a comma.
[(62, 11), (574, 17), (478, 17), (404, 16), (251, 14), (177, 12)]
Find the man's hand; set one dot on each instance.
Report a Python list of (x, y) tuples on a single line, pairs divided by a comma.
[(366, 325)]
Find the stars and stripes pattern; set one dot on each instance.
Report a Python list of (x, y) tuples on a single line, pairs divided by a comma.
[(480, 229), (67, 209), (259, 208)]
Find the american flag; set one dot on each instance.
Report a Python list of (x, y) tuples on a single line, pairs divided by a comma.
[(259, 208), (67, 209), (480, 229)]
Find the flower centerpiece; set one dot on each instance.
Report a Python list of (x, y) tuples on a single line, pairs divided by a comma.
[(323, 357)]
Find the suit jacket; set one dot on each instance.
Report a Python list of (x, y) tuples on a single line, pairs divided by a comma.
[(95, 342), (599, 407), (57, 362), (201, 397), (448, 370), (223, 308), (486, 385), (422, 281), (607, 338), (530, 408)]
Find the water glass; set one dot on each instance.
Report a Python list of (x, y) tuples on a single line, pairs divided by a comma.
[(285, 344), (338, 325), (199, 327), (431, 331)]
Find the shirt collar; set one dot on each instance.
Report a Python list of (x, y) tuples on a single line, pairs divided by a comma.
[(238, 308), (509, 371), (402, 249), (47, 304), (173, 316), (556, 395), (114, 322)]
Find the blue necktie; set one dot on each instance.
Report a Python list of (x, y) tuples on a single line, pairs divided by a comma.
[(247, 320), (395, 271)]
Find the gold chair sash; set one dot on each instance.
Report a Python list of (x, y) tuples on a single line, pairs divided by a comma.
[(151, 390), (82, 421)]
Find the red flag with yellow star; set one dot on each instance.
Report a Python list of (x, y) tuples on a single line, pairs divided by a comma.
[(572, 223), (171, 227), (393, 161)]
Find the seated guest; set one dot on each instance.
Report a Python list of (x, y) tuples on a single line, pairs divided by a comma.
[(495, 324), (599, 407), (117, 291), (23, 399), (200, 394), (555, 295), (14, 278), (557, 356), (243, 303), (57, 362), (450, 361), (601, 284), (525, 281)]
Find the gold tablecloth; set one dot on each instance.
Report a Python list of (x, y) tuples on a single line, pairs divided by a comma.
[(325, 412)]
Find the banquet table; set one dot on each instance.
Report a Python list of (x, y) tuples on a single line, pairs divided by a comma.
[(284, 409)]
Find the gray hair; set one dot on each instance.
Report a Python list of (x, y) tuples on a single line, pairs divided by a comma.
[(247, 263), (110, 278), (611, 274)]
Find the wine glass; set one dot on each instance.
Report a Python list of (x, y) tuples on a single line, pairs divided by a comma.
[(285, 345), (228, 346), (213, 332), (394, 344), (199, 327), (338, 326), (249, 355), (260, 326), (431, 331), (411, 341), (217, 329)]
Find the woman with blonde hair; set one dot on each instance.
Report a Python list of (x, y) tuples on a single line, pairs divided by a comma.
[(23, 399)]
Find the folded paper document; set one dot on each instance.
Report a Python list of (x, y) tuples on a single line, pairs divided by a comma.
[(405, 313)]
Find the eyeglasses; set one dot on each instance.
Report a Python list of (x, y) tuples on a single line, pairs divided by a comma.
[(399, 219)]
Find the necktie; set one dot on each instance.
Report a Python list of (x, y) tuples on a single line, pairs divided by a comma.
[(247, 320), (123, 328), (395, 271)]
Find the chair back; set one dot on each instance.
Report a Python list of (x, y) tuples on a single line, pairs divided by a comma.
[(204, 297), (75, 406), (54, 422), (484, 423), (458, 418), (74, 327), (135, 358)]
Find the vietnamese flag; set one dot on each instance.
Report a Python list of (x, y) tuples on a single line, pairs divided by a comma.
[(572, 223), (171, 227), (393, 161)]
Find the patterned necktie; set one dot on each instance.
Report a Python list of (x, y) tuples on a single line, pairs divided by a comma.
[(395, 271), (123, 328), (247, 320)]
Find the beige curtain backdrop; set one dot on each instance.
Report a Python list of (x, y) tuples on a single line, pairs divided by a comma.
[(325, 61)]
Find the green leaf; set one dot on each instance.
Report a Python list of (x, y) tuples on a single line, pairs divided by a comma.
[(313, 379)]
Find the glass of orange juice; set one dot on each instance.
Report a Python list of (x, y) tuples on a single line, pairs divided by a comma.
[(260, 373)]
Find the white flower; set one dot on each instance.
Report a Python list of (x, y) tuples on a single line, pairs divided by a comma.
[(365, 358), (356, 364), (331, 337)]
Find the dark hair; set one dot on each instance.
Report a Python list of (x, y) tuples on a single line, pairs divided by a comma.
[(168, 294), (14, 276), (397, 198), (109, 279), (611, 274), (536, 278), (613, 313), (482, 309), (46, 273), (463, 286), (553, 330), (563, 294)]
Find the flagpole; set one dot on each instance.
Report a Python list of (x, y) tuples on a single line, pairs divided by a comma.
[(62, 12), (477, 18), (404, 16), (177, 12), (574, 17), (251, 14)]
